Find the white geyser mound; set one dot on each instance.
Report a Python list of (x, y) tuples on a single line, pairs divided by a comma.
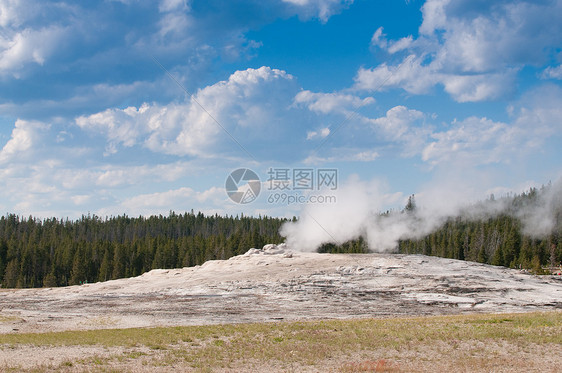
[(271, 249)]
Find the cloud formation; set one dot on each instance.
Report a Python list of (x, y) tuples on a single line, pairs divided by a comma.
[(197, 127), (24, 137), (108, 46), (322, 9), (475, 50)]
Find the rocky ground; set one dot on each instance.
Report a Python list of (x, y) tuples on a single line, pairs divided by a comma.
[(275, 284)]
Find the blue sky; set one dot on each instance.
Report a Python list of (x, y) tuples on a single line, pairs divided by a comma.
[(444, 99)]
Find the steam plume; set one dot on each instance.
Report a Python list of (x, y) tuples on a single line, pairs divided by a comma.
[(357, 212)]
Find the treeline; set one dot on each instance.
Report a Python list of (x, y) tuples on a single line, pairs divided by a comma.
[(489, 232), (498, 237), (53, 252), (498, 241)]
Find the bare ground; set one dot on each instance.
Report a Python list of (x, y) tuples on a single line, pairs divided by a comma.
[(467, 356)]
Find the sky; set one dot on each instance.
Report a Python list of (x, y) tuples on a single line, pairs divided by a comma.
[(142, 107)]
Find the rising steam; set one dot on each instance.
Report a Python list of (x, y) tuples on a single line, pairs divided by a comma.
[(359, 209)]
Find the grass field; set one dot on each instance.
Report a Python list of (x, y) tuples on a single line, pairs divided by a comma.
[(480, 342)]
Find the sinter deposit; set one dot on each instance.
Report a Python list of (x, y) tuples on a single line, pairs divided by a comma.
[(275, 283)]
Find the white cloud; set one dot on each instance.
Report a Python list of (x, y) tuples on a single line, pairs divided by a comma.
[(182, 199), (539, 113), (33, 32), (343, 155), (187, 129), (434, 16), (175, 197), (322, 9), (552, 72), (476, 140), (400, 44), (402, 126), (410, 75), (15, 12), (121, 126), (186, 38), (119, 176), (486, 36), (480, 141), (473, 49), (397, 122), (473, 88), (379, 39), (471, 142), (65, 185), (321, 133), (417, 78), (29, 46), (24, 137), (366, 156), (81, 199), (325, 103)]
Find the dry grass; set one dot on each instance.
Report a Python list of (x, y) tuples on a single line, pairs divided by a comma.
[(503, 342)]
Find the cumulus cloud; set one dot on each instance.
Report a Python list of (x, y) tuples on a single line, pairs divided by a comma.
[(325, 103), (473, 49), (404, 126), (475, 140), (479, 140), (484, 36), (94, 46), (473, 88), (29, 46), (24, 137), (188, 129), (538, 113), (416, 77), (28, 35), (411, 75)]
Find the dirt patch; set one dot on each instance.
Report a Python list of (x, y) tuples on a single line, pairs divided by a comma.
[(473, 356)]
